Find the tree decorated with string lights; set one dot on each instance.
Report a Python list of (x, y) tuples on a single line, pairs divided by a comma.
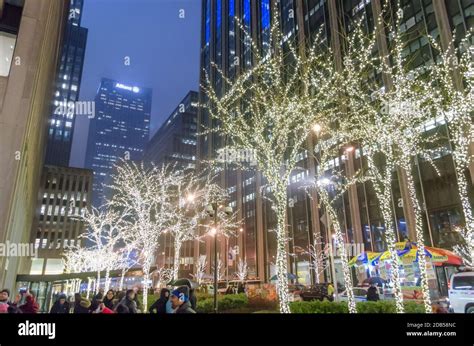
[(462, 249), (200, 269), (389, 123), (242, 270), (453, 89), (331, 184), (147, 193), (193, 193), (106, 232), (269, 110)]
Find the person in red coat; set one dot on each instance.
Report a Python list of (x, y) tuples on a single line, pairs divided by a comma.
[(30, 306)]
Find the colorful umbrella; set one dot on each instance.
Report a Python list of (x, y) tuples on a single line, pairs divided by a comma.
[(365, 258), (430, 253)]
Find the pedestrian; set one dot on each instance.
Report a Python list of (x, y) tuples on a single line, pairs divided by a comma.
[(83, 307), (97, 300), (240, 288), (109, 299), (118, 298), (129, 302), (5, 299), (180, 300), (30, 306), (60, 306), (77, 301), (372, 294), (160, 305), (330, 292), (137, 301)]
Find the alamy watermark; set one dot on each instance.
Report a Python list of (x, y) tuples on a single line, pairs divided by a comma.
[(70, 108), (352, 249), (9, 249), (230, 155)]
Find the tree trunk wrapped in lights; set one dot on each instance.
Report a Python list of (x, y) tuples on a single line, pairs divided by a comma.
[(453, 88), (200, 269), (147, 194), (193, 194), (269, 111), (242, 270), (105, 232), (382, 182), (331, 185), (389, 122)]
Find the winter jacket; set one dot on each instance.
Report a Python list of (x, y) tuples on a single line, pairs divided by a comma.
[(13, 308), (372, 294), (109, 303), (60, 309), (160, 304), (30, 306), (129, 304), (83, 307), (185, 309)]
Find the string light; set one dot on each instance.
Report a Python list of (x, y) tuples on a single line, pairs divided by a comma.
[(271, 109)]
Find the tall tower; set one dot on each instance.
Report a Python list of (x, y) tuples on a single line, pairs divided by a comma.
[(66, 93), (119, 129)]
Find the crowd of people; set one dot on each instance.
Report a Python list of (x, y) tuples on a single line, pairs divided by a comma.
[(180, 300)]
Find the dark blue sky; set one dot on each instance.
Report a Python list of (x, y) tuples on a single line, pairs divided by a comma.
[(163, 50)]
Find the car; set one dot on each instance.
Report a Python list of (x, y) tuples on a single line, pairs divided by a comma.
[(360, 294), (316, 292), (461, 293)]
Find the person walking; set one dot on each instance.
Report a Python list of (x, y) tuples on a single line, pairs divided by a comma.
[(372, 294), (118, 298), (137, 301), (83, 307), (129, 302), (60, 306), (180, 301), (30, 306), (159, 307), (109, 299), (12, 308)]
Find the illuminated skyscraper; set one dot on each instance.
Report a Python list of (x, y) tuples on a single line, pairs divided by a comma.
[(119, 129), (68, 82)]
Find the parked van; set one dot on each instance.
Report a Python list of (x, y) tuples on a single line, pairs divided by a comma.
[(461, 293)]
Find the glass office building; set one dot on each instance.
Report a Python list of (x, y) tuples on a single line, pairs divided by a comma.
[(66, 94), (175, 141), (120, 129), (225, 44), (174, 144)]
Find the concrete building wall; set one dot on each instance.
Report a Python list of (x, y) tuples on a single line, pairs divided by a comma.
[(24, 105)]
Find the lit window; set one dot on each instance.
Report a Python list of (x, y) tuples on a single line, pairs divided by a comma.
[(7, 46)]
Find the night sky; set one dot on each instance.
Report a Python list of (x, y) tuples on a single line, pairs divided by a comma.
[(163, 50)]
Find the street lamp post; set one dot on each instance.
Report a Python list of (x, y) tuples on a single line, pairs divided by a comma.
[(212, 210)]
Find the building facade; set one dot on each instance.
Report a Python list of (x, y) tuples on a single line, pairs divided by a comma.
[(175, 141), (224, 44), (119, 130), (64, 193), (30, 36), (68, 83), (175, 144)]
